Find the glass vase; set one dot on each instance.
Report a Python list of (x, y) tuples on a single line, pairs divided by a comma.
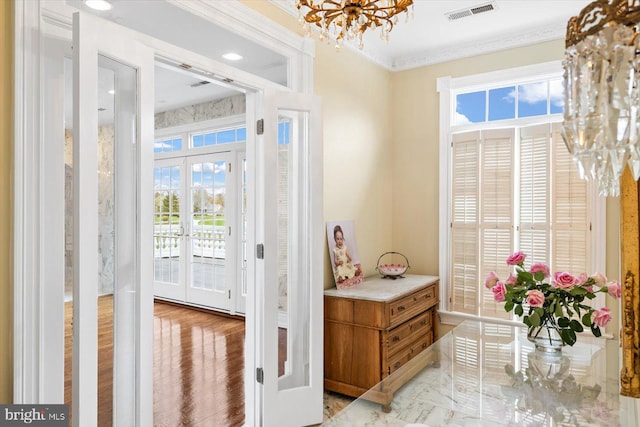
[(546, 338)]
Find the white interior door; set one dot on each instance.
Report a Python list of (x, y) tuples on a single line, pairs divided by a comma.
[(211, 231), (104, 52), (289, 277), (169, 222)]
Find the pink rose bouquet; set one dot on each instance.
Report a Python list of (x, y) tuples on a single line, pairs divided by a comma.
[(557, 301)]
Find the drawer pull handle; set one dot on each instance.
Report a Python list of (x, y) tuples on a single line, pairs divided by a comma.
[(424, 345), (424, 322), (401, 308), (397, 365), (395, 338)]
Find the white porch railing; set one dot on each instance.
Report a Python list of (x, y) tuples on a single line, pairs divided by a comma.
[(208, 241)]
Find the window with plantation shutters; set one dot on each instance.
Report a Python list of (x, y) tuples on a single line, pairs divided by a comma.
[(507, 184), (513, 189)]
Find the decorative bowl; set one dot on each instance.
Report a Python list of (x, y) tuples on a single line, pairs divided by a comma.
[(392, 271)]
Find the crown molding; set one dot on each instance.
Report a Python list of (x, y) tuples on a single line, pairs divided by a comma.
[(553, 31)]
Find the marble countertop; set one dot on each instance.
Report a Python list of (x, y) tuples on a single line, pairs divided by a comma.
[(379, 289), (482, 374)]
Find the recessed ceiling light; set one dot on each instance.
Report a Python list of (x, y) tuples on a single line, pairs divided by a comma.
[(111, 92), (232, 56), (98, 4)]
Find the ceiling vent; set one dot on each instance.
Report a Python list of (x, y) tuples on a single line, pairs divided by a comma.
[(475, 10), (198, 84)]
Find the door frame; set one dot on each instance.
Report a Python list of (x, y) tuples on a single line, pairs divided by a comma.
[(35, 354)]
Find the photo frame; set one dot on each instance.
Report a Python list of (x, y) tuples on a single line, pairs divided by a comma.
[(343, 253)]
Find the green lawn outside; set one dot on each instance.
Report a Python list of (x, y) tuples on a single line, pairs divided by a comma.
[(203, 220), (167, 219), (210, 220)]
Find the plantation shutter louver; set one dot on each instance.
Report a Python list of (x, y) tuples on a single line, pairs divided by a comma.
[(570, 220), (464, 224), (534, 193), (496, 212)]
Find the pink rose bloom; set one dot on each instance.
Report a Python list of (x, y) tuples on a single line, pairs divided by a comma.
[(535, 298), (601, 317), (600, 279), (516, 258), (491, 280), (540, 268), (563, 280), (589, 288), (499, 291), (511, 280), (614, 289), (582, 279)]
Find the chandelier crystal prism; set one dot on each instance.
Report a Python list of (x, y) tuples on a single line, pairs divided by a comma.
[(602, 92), (349, 19)]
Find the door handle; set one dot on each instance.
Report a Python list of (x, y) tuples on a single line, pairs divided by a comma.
[(181, 233)]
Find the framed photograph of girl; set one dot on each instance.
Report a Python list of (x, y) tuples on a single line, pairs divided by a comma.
[(343, 252)]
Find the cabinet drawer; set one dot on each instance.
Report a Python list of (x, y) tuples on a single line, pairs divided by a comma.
[(407, 353), (407, 307), (409, 331)]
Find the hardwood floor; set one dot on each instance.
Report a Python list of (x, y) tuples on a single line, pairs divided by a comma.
[(198, 366)]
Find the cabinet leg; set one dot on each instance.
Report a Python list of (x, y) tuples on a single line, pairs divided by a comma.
[(386, 408)]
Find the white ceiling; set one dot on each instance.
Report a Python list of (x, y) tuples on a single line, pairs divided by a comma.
[(431, 38), (428, 38)]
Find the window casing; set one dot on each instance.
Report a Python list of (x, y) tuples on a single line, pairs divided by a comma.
[(508, 185)]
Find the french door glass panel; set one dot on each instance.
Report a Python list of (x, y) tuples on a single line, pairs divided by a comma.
[(210, 224), (169, 228), (292, 311)]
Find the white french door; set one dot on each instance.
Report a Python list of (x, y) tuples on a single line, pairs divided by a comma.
[(195, 236), (211, 255), (169, 229), (112, 73), (289, 157)]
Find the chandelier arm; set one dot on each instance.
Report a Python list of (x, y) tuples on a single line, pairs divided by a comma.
[(352, 17)]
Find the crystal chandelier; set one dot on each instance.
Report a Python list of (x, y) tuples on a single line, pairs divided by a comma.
[(602, 92), (349, 19)]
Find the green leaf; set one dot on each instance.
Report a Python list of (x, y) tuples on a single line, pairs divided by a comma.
[(563, 322), (578, 291), (558, 310), (526, 321), (518, 311), (538, 275), (586, 319), (576, 326), (595, 330), (508, 306), (569, 312), (525, 276), (568, 336), (534, 319)]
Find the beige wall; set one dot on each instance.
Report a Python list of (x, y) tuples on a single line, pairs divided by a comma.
[(415, 106), (358, 147), (6, 181)]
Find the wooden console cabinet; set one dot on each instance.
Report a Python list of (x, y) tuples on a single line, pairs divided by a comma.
[(373, 329)]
